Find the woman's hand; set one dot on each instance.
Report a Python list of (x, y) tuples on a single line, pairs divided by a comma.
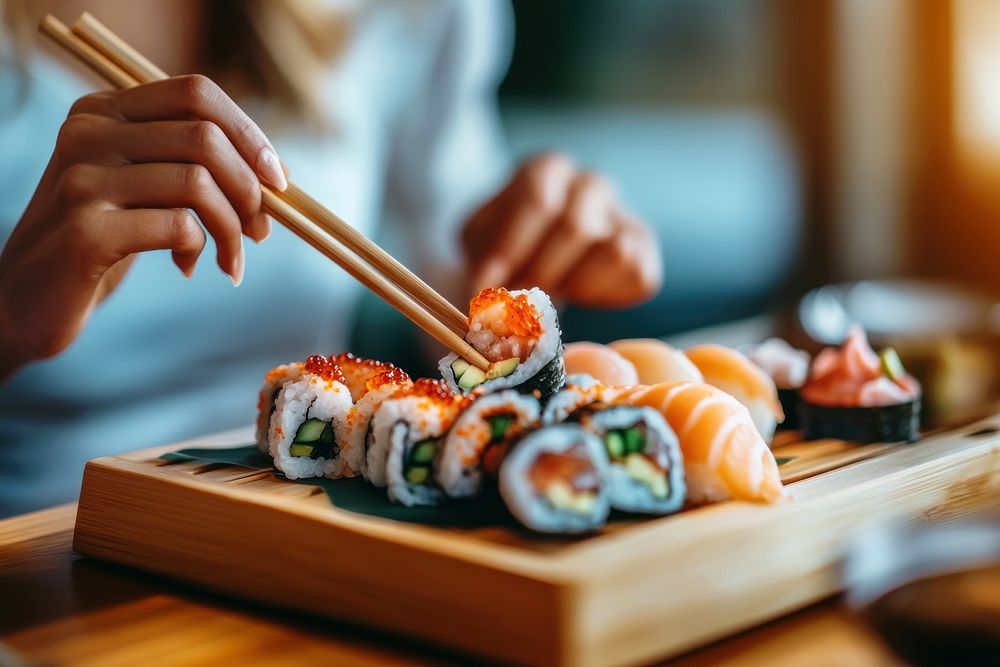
[(562, 229), (126, 169)]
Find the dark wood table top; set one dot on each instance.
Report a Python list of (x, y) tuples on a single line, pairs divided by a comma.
[(57, 608)]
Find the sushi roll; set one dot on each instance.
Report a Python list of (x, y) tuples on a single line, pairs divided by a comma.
[(405, 433), (855, 394), (376, 389), (518, 332), (308, 427), (268, 396), (724, 454), (656, 361), (646, 471), (487, 423), (739, 377), (600, 362), (359, 372), (788, 367), (555, 480), (580, 390)]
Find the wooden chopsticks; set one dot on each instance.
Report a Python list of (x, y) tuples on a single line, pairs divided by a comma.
[(111, 57)]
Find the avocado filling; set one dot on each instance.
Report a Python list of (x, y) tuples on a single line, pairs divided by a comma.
[(567, 481), (468, 376), (626, 447), (418, 464), (314, 439)]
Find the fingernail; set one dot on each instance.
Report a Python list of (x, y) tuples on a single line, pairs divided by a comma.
[(237, 273), (267, 231), (269, 168), (492, 274)]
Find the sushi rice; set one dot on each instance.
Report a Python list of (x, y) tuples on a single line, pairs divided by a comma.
[(268, 395), (488, 422), (646, 469), (316, 398), (560, 507), (541, 369)]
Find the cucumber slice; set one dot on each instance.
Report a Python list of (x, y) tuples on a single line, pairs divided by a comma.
[(327, 435), (417, 475), (299, 449), (615, 442), (892, 365), (423, 452), (458, 367), (472, 377), (635, 440), (310, 430), (499, 425)]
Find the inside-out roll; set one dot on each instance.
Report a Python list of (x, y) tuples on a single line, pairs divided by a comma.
[(555, 480), (518, 332), (487, 423), (404, 437), (307, 430), (268, 396), (646, 469)]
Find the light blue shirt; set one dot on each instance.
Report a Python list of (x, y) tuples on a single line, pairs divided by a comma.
[(417, 144)]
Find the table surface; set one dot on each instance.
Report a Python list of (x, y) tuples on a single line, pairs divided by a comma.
[(58, 608)]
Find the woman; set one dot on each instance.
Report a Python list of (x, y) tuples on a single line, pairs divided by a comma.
[(384, 110)]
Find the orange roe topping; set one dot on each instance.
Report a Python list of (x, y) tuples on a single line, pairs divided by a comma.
[(348, 359), (325, 367), (521, 317), (392, 376), (435, 390)]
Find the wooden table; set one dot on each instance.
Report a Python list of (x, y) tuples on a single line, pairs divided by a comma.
[(60, 609)]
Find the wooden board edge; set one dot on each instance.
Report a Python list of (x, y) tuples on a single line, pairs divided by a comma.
[(438, 598)]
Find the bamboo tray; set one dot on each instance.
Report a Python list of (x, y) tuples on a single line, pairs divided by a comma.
[(639, 590)]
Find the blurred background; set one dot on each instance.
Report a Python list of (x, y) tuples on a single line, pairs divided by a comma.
[(774, 145)]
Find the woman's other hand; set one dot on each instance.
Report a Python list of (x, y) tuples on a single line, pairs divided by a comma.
[(562, 229), (127, 169)]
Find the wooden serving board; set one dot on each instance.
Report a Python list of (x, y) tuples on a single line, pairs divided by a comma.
[(639, 590)]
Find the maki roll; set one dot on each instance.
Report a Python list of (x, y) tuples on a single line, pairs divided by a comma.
[(580, 390), (486, 424), (788, 367), (646, 470), (855, 394), (268, 396), (308, 427), (555, 480), (405, 433), (376, 389), (359, 373), (518, 332)]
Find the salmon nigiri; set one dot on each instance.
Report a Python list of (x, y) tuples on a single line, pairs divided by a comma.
[(724, 455), (735, 374), (600, 362), (657, 361)]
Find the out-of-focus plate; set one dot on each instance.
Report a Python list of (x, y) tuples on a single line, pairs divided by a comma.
[(896, 309)]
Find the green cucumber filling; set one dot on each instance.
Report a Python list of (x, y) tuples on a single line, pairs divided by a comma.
[(623, 441), (418, 463), (314, 439), (627, 447), (499, 425)]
